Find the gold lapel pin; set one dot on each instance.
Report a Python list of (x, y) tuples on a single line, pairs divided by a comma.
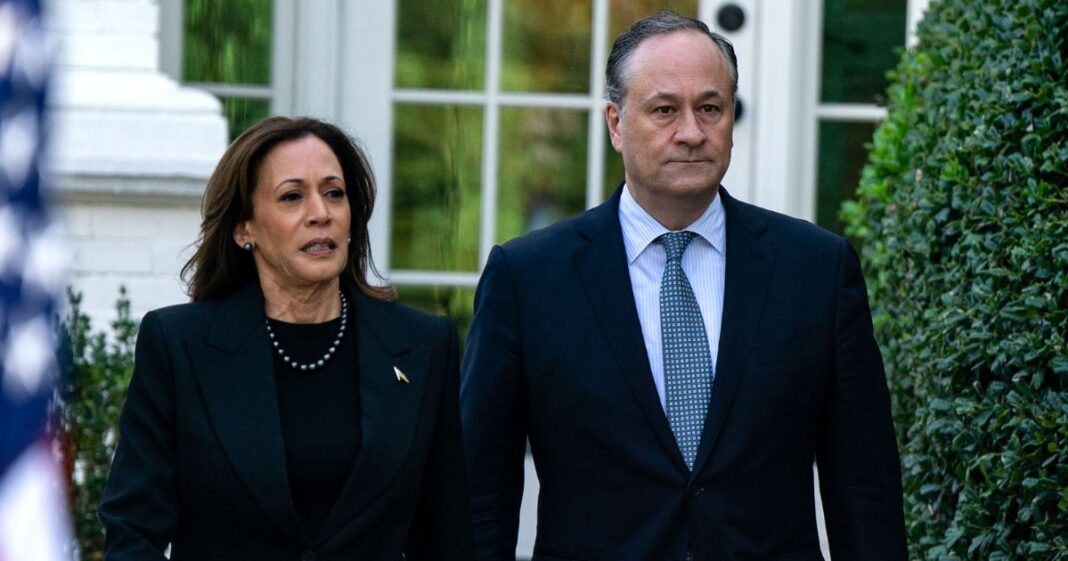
[(400, 375)]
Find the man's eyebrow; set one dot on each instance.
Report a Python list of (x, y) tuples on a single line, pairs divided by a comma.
[(668, 96)]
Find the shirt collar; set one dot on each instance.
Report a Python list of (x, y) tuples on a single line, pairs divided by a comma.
[(640, 229)]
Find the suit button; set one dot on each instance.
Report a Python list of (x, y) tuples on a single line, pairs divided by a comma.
[(309, 556)]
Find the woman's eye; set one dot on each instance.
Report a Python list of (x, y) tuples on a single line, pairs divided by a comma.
[(336, 193), (290, 197)]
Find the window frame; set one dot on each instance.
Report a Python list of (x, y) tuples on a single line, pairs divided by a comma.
[(492, 99), (818, 112), (172, 43)]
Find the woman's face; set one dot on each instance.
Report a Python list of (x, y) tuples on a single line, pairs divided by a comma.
[(300, 216)]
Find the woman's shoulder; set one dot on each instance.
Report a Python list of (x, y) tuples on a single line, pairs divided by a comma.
[(176, 318), (400, 318), (198, 319)]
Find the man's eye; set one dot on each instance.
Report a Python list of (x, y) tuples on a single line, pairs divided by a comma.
[(664, 110), (710, 109)]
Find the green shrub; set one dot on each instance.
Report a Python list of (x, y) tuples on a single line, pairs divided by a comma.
[(962, 214), (93, 394)]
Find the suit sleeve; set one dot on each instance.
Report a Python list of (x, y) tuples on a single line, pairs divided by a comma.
[(441, 527), (493, 410), (139, 507), (857, 457)]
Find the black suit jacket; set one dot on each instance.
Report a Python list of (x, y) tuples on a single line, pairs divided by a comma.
[(200, 461), (556, 355)]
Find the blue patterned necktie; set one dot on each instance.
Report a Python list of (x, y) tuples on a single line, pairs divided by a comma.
[(687, 361)]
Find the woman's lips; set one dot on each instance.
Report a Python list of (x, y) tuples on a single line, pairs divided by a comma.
[(319, 247)]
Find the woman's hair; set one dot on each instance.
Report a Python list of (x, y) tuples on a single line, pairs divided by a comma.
[(219, 267)]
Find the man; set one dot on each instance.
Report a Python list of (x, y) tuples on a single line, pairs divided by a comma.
[(677, 358)]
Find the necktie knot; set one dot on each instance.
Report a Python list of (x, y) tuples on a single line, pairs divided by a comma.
[(675, 243)]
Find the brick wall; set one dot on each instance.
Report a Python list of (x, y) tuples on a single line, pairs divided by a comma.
[(141, 246)]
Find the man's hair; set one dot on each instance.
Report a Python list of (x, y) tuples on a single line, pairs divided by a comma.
[(661, 23)]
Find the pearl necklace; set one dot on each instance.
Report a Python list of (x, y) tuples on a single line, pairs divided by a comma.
[(315, 364)]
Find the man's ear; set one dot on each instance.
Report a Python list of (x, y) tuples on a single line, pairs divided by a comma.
[(613, 117)]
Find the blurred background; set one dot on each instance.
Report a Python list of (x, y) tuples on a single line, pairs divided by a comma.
[(483, 118)]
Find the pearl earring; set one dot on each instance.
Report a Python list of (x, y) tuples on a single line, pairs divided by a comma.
[(247, 246)]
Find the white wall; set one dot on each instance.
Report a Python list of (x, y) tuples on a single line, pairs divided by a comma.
[(141, 246), (131, 152)]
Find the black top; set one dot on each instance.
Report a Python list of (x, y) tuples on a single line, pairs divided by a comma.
[(201, 461), (320, 413)]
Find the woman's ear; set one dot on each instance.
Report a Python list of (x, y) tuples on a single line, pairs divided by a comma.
[(242, 236)]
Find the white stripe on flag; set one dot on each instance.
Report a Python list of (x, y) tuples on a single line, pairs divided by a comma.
[(34, 524)]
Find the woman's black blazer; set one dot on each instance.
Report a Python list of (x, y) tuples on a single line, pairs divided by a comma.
[(200, 464)]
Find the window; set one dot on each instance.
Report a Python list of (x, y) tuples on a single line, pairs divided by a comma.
[(498, 129), (226, 50), (861, 41)]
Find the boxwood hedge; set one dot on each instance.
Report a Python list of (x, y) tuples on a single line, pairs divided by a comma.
[(100, 364), (962, 218)]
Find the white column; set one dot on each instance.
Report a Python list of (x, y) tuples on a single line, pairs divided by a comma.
[(113, 112), (130, 153), (364, 86)]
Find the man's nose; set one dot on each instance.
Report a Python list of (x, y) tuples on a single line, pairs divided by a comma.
[(689, 130)]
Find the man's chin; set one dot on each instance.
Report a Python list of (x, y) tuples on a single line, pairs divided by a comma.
[(693, 185)]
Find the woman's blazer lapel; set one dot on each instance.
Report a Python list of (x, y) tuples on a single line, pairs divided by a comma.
[(234, 369), (393, 379)]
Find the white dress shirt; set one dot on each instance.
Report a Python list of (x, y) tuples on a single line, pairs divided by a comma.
[(704, 263)]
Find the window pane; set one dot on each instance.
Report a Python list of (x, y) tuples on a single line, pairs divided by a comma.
[(227, 41), (455, 302), (441, 45), (546, 46), (542, 173), (843, 153), (436, 187), (242, 113), (860, 38), (623, 13)]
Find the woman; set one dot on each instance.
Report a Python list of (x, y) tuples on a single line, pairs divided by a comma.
[(291, 411)]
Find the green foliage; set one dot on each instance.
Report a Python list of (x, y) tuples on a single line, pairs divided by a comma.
[(962, 213), (441, 45), (89, 407), (227, 41), (436, 187)]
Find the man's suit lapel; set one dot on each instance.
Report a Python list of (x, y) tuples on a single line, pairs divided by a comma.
[(750, 260), (389, 408), (233, 367), (602, 266)]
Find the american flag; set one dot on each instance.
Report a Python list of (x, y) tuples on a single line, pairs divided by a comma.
[(33, 520)]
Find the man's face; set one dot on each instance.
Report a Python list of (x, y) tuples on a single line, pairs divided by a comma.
[(676, 132)]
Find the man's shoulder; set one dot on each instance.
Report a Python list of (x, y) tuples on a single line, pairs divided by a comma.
[(556, 238), (787, 230)]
